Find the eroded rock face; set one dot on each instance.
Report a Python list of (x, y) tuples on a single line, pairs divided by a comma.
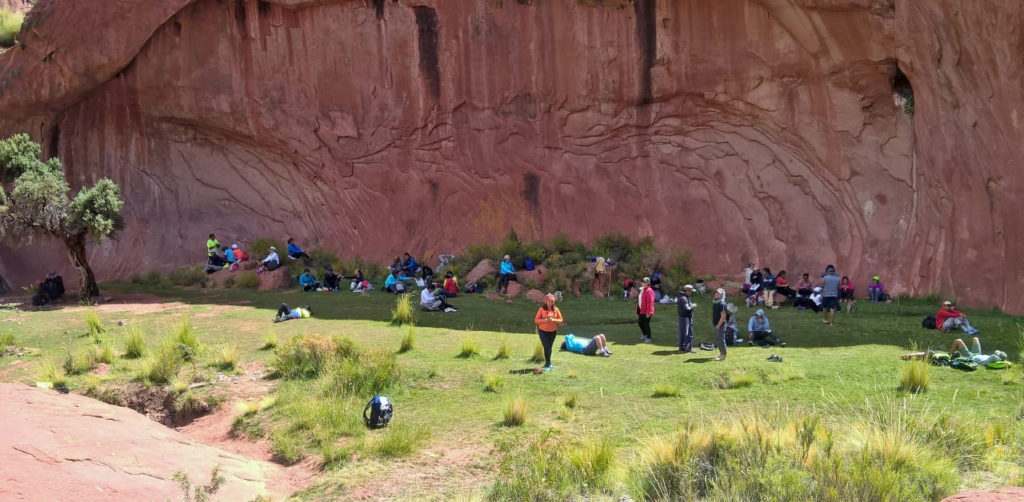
[(759, 130)]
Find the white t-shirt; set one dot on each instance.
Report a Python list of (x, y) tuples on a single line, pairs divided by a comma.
[(426, 297), (272, 257)]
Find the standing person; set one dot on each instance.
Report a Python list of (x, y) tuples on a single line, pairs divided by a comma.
[(685, 310), (295, 252), (754, 294), (846, 288), (645, 309), (718, 320), (747, 271), (830, 295), (505, 274), (768, 286), (547, 320), (212, 245)]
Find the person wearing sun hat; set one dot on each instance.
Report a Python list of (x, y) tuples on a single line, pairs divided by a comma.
[(547, 320), (949, 318), (645, 310)]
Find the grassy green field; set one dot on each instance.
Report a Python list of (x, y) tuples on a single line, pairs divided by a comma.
[(828, 423)]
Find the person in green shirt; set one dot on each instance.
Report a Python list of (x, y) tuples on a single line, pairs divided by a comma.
[(212, 245)]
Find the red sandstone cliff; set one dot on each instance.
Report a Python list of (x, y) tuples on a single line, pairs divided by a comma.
[(762, 130)]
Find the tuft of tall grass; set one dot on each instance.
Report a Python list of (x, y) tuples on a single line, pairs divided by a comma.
[(915, 376), (553, 467), (48, 371), (398, 441), (106, 353), (7, 339), (94, 326), (10, 26), (228, 357), (538, 353), (739, 378), (84, 361), (286, 446), (503, 351), (307, 356), (162, 366), (469, 349), (666, 390), (270, 341), (409, 340), (177, 385), (493, 383), (570, 400), (193, 275), (404, 311), (515, 413), (134, 341), (186, 340), (368, 373)]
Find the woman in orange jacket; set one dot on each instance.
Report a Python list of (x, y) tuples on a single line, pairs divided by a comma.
[(547, 319)]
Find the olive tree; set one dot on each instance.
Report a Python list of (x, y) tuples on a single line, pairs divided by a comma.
[(34, 201)]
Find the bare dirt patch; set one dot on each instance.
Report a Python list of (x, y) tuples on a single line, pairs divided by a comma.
[(439, 472)]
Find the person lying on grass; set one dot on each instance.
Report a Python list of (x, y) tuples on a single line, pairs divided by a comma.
[(285, 314), (993, 360), (587, 346)]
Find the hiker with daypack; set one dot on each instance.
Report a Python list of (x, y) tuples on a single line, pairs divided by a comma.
[(597, 346), (547, 320), (759, 329), (645, 309), (949, 318), (996, 360), (684, 307), (718, 318)]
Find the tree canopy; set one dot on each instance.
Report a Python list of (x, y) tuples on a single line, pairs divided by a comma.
[(34, 201)]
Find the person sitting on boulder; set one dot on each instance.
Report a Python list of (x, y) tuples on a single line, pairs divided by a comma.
[(285, 314), (395, 283), (759, 330), (996, 359), (308, 282), (949, 318), (295, 252), (409, 265), (215, 262), (451, 286), (434, 302), (505, 274), (597, 346), (50, 289), (332, 281), (271, 262), (229, 256), (240, 256)]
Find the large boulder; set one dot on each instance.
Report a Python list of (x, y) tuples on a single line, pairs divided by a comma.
[(535, 295), (514, 289), (483, 269), (274, 279), (537, 275)]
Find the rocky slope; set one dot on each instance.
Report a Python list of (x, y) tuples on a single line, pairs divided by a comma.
[(773, 131)]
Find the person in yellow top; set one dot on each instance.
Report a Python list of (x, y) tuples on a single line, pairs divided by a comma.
[(547, 319), (212, 245)]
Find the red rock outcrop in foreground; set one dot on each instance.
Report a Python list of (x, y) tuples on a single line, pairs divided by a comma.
[(70, 447), (757, 130)]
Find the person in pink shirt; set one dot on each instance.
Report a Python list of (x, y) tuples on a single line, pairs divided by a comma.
[(846, 288), (645, 310)]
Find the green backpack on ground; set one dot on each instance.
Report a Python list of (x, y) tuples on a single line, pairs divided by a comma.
[(939, 358), (964, 364)]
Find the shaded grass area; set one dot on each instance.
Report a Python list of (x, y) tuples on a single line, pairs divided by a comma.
[(842, 379)]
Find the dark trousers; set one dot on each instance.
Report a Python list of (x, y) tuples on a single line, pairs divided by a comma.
[(283, 310), (547, 339), (503, 281), (764, 337), (685, 334), (787, 292), (645, 325)]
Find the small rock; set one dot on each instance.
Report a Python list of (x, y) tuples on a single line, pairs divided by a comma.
[(122, 322)]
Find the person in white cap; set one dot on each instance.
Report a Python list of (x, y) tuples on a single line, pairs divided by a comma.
[(645, 310), (505, 275), (271, 262), (684, 308)]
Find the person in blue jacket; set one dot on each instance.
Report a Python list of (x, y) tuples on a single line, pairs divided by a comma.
[(760, 330), (295, 252), (505, 274), (587, 346), (409, 266), (308, 282), (394, 283)]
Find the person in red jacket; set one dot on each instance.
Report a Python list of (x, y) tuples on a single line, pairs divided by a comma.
[(645, 310), (451, 286), (948, 318)]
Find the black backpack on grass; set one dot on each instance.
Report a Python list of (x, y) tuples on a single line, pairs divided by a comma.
[(928, 322), (380, 412)]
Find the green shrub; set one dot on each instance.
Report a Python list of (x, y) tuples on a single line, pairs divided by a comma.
[(398, 441), (10, 26), (538, 353), (7, 339), (307, 356), (409, 340), (228, 358), (371, 372), (503, 350), (247, 280), (666, 390), (192, 275), (515, 413), (48, 371), (229, 282), (320, 258), (177, 385), (188, 403), (915, 376), (493, 383), (469, 349), (261, 247), (550, 467), (269, 340), (78, 363), (134, 342), (106, 353), (186, 340), (562, 244), (162, 366), (286, 447), (404, 311)]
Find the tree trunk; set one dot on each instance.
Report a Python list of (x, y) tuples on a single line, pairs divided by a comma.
[(76, 251)]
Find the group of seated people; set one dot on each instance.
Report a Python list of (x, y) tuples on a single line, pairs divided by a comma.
[(231, 257), (760, 288), (49, 290)]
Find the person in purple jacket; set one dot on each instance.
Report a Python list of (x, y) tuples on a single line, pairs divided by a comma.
[(876, 290)]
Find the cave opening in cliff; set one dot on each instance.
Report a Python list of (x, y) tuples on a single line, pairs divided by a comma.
[(902, 91)]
